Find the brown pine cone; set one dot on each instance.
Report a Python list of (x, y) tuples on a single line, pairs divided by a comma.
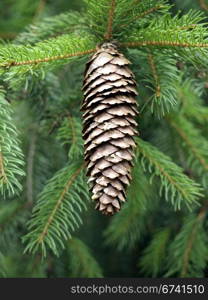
[(109, 107)]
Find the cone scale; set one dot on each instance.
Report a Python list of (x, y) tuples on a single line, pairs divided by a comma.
[(109, 110)]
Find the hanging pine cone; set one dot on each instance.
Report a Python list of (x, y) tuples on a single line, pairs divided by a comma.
[(108, 126)]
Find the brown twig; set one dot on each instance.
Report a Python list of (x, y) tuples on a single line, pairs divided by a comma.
[(59, 202), (163, 43), (39, 10), (154, 74), (8, 35), (191, 26), (30, 165), (187, 252), (162, 170), (127, 44), (203, 5), (108, 34), (147, 12), (45, 59), (2, 171), (190, 145)]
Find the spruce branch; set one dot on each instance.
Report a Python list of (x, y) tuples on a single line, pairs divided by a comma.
[(120, 14), (177, 187), (153, 67), (70, 133), (191, 240), (30, 165), (100, 17), (193, 143), (81, 261), (144, 14), (183, 34), (11, 156), (137, 14), (51, 27), (188, 251), (161, 76), (55, 214), (131, 222), (191, 102), (45, 59), (153, 259), (43, 55), (2, 171), (56, 207), (147, 12)]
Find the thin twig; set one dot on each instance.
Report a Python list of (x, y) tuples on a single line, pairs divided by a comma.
[(203, 5), (108, 34), (192, 237), (2, 171), (30, 165), (145, 13), (61, 198), (190, 26), (39, 10), (57, 121), (163, 43), (164, 173), (74, 135), (188, 142), (8, 35), (154, 74), (45, 59)]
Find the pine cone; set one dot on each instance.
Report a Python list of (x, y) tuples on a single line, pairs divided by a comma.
[(108, 126)]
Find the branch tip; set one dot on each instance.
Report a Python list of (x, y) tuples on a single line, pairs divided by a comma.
[(108, 34)]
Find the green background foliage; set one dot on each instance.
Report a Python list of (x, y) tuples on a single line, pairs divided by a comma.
[(48, 225)]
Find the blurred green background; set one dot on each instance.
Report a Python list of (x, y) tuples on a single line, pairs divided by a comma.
[(15, 15)]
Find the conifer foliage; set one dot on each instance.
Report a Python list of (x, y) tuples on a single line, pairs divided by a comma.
[(47, 146)]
